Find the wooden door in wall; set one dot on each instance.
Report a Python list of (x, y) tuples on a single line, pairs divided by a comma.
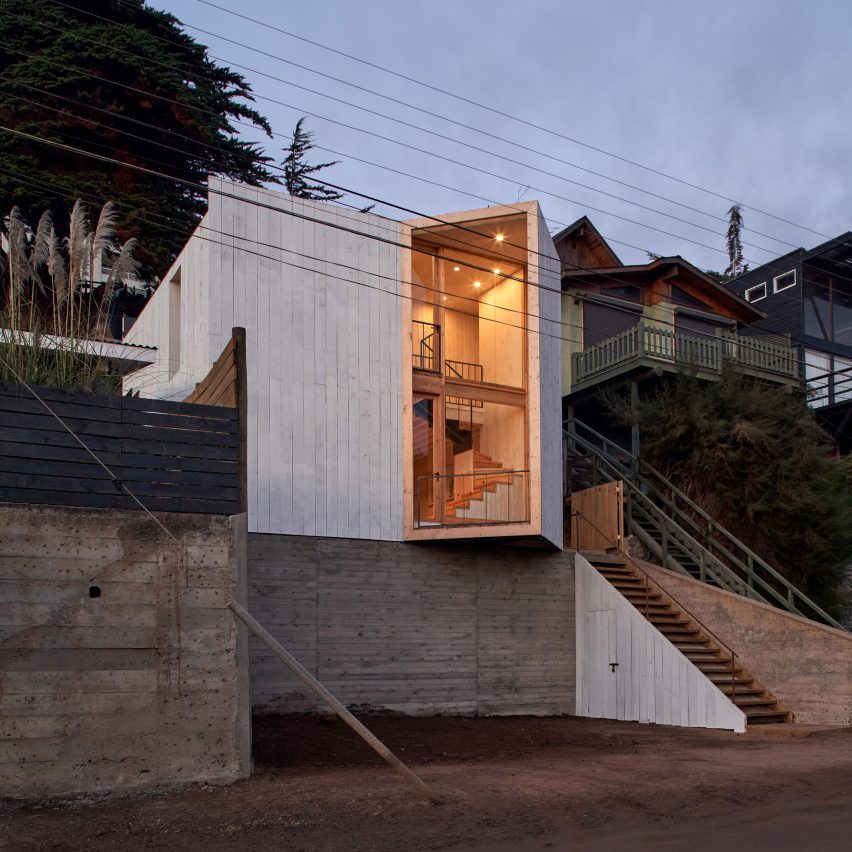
[(601, 691)]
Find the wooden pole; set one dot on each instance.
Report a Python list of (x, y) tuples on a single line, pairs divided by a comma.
[(374, 742)]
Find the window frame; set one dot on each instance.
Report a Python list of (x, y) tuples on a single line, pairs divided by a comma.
[(776, 288), (750, 290)]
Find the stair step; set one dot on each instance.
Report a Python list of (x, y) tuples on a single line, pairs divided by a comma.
[(741, 688), (759, 717), (757, 701)]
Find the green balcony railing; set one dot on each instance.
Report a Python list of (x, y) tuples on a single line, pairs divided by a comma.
[(692, 351)]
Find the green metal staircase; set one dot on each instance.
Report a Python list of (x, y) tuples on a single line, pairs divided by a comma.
[(675, 529)]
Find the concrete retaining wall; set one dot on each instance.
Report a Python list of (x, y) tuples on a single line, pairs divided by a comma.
[(806, 665), (120, 665), (414, 628)]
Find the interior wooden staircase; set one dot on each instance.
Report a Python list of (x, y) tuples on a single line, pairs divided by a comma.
[(474, 488), (690, 637)]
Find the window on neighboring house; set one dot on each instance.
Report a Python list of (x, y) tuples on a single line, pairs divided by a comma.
[(681, 297), (784, 282), (756, 293), (842, 378), (817, 376)]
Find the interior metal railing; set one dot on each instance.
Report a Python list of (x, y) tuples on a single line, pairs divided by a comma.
[(684, 535), (493, 496), (426, 353)]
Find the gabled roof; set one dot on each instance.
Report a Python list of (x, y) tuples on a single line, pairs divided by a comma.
[(745, 311), (585, 230)]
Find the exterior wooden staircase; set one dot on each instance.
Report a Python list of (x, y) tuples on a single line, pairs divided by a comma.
[(712, 657)]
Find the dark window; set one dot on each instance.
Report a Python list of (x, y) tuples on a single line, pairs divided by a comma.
[(629, 292), (698, 326), (756, 293), (783, 282), (842, 317), (603, 321), (817, 311), (681, 297)]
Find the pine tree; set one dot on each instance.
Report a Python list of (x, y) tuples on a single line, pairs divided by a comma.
[(733, 242), (297, 170), (145, 81)]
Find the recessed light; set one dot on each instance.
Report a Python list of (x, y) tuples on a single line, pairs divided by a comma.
[(445, 298), (477, 283), (500, 237), (456, 268), (496, 270)]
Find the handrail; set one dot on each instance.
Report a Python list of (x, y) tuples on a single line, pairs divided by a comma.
[(679, 537), (707, 352), (647, 577), (748, 559)]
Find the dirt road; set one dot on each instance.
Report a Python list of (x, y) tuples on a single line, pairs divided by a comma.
[(511, 784)]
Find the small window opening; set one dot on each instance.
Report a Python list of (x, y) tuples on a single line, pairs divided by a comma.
[(784, 282), (755, 294)]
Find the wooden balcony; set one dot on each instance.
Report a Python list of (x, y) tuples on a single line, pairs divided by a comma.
[(652, 346)]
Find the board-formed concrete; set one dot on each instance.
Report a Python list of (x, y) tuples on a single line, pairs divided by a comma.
[(414, 628), (807, 665), (120, 664)]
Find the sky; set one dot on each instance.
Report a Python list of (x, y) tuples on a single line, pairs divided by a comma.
[(749, 100)]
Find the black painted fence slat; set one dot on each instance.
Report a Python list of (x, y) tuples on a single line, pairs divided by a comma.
[(176, 457)]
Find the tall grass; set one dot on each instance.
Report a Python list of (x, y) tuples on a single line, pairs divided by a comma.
[(51, 307)]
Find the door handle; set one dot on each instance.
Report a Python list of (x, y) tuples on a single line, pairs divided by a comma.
[(613, 667)]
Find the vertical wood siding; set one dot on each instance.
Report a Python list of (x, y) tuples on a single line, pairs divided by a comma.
[(653, 681), (550, 354), (324, 356)]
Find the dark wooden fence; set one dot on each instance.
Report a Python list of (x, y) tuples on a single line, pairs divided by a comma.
[(175, 456)]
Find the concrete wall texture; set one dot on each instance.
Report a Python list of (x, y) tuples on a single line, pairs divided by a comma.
[(414, 628), (808, 666), (120, 665)]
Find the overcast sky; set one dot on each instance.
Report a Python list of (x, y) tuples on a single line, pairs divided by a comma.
[(748, 99)]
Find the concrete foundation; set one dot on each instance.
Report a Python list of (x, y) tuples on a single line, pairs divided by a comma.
[(414, 628), (120, 664)]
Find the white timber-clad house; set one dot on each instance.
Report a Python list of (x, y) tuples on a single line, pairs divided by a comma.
[(403, 377), (403, 387)]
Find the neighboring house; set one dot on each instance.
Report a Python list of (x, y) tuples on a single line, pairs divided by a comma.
[(807, 294), (629, 325)]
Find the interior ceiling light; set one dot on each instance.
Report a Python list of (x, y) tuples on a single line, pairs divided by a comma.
[(499, 237), (477, 283), (496, 270), (456, 268)]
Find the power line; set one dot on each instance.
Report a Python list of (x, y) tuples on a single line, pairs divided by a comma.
[(743, 341), (503, 114), (425, 151), (442, 136), (318, 180)]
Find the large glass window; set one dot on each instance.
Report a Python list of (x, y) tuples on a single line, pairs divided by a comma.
[(469, 329), (817, 369), (842, 315), (817, 311)]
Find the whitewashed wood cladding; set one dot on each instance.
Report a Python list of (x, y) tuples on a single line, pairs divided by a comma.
[(415, 628), (652, 681), (549, 342), (321, 310)]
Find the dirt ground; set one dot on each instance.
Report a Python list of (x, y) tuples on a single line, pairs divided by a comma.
[(514, 784)]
